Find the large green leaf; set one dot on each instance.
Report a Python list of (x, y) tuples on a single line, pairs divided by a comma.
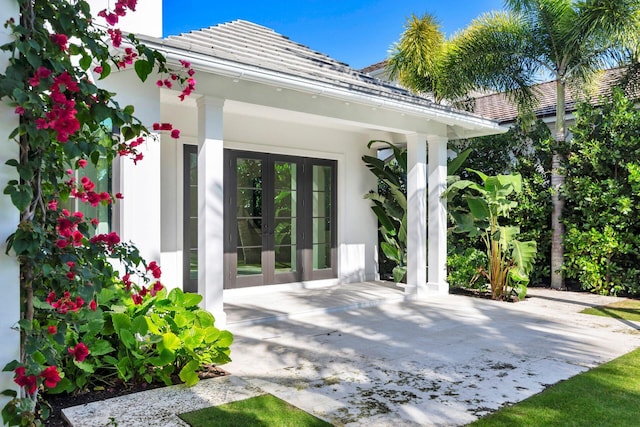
[(523, 255), (478, 207), (391, 252), (455, 164)]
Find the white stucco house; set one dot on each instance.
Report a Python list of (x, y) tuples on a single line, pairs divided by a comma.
[(265, 185)]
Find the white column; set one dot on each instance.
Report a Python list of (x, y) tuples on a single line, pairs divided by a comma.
[(211, 206), (437, 218), (9, 218), (416, 215)]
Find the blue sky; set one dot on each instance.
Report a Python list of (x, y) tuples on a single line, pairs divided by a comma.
[(359, 33)]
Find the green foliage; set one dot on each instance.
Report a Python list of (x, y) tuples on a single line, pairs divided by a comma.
[(58, 53), (602, 198), (524, 149), (390, 206), (509, 260), (166, 336), (464, 269)]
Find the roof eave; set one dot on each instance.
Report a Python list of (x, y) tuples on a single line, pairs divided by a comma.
[(473, 124)]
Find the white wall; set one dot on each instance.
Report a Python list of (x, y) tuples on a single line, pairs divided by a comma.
[(139, 212), (357, 237), (9, 272)]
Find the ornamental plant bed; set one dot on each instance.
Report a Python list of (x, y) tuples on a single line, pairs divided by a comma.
[(61, 401), (481, 293)]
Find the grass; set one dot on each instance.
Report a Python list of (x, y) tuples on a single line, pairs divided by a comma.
[(627, 309), (608, 395), (260, 411)]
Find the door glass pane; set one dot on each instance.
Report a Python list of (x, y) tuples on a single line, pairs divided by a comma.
[(193, 216), (321, 217), (284, 222), (249, 216), (321, 256)]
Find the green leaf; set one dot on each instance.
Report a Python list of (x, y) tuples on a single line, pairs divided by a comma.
[(225, 339), (170, 341), (164, 358), (478, 207), (457, 162), (121, 321), (188, 373), (85, 366), (101, 347), (21, 196), (391, 252), (143, 69), (85, 62)]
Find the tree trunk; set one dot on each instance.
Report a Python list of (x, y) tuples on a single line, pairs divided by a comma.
[(557, 180)]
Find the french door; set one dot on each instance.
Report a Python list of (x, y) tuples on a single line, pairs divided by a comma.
[(280, 219)]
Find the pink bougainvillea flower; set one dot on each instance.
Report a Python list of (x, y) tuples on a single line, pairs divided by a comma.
[(154, 268), (61, 40), (29, 382), (19, 110), (157, 287), (52, 329), (119, 196), (93, 305), (159, 83), (137, 299), (52, 205), (185, 64), (51, 376), (82, 163), (98, 70), (79, 352), (175, 134)]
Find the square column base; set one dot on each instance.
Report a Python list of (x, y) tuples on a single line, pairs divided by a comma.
[(426, 290)]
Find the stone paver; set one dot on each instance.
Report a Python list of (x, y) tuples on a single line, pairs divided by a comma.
[(444, 361)]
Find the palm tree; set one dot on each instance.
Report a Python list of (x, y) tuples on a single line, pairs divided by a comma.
[(567, 41)]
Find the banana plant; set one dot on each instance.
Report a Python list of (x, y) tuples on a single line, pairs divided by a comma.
[(390, 202), (487, 206)]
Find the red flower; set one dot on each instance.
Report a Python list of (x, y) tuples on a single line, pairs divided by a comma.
[(92, 305), (154, 268), (52, 329), (159, 83), (137, 299), (52, 205), (61, 40), (29, 382), (157, 287), (82, 163), (19, 110), (51, 376), (51, 297), (79, 352), (119, 196), (175, 134), (98, 70)]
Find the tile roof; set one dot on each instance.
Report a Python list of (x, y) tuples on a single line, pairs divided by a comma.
[(249, 44), (497, 107)]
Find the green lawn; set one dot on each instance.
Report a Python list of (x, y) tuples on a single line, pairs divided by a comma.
[(628, 309), (608, 395), (260, 411)]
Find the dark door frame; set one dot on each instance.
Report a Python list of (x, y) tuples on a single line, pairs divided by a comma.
[(304, 234)]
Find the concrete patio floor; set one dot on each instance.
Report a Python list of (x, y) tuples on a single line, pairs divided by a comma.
[(386, 361)]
